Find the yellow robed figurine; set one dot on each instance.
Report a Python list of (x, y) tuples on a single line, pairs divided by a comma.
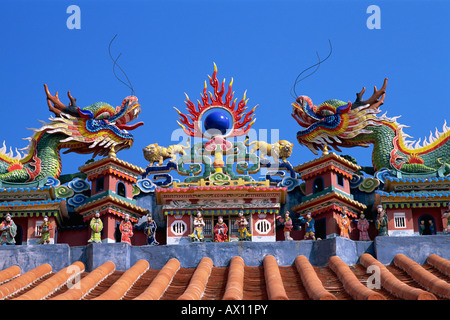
[(197, 235), (244, 235), (96, 228), (45, 231)]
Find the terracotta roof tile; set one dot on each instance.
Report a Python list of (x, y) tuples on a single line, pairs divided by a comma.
[(404, 279)]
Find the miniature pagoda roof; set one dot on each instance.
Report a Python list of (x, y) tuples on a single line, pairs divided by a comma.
[(113, 201), (326, 162), (331, 200)]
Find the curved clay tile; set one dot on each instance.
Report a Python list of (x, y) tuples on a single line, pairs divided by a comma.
[(352, 285), (234, 289), (274, 283), (443, 265), (311, 281), (423, 277), (198, 282), (161, 282), (55, 282), (88, 283), (392, 284), (125, 282), (27, 279), (9, 273)]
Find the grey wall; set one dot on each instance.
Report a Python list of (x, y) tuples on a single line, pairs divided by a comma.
[(28, 257), (417, 248)]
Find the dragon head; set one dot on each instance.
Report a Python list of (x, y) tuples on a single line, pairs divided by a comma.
[(93, 129), (337, 123)]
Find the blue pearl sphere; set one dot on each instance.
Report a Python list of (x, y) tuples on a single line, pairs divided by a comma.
[(217, 120)]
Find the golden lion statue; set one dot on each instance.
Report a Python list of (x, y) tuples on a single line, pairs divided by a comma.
[(281, 149), (154, 153)]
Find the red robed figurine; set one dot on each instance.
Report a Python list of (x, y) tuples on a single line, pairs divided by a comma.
[(126, 228), (220, 231)]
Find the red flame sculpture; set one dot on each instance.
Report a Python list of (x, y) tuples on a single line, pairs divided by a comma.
[(191, 122)]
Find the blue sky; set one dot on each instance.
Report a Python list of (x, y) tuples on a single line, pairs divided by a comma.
[(168, 48)]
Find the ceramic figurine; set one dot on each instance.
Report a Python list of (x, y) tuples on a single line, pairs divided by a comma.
[(197, 235), (432, 227), (45, 231), (96, 228), (287, 223), (8, 231), (344, 223), (363, 227), (244, 235), (126, 228), (381, 222), (149, 228), (446, 215), (422, 227), (308, 222), (220, 231)]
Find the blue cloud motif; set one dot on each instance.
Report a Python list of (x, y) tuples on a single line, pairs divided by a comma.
[(289, 182), (146, 185), (77, 200), (52, 182)]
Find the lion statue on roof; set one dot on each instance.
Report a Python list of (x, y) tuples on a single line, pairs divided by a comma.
[(281, 149), (154, 153)]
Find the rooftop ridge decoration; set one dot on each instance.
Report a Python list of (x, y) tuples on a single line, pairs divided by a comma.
[(192, 126), (217, 161)]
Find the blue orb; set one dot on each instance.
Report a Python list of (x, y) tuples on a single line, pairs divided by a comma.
[(217, 120)]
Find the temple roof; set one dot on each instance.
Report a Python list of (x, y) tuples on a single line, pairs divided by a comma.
[(88, 209), (327, 161), (24, 189), (49, 207), (413, 180), (422, 194), (417, 184), (327, 201), (33, 204), (220, 191), (103, 163), (414, 199)]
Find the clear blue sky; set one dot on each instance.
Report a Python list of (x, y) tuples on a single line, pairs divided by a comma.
[(168, 48)]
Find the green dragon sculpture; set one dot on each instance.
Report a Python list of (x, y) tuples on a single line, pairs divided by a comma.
[(339, 124), (95, 129)]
